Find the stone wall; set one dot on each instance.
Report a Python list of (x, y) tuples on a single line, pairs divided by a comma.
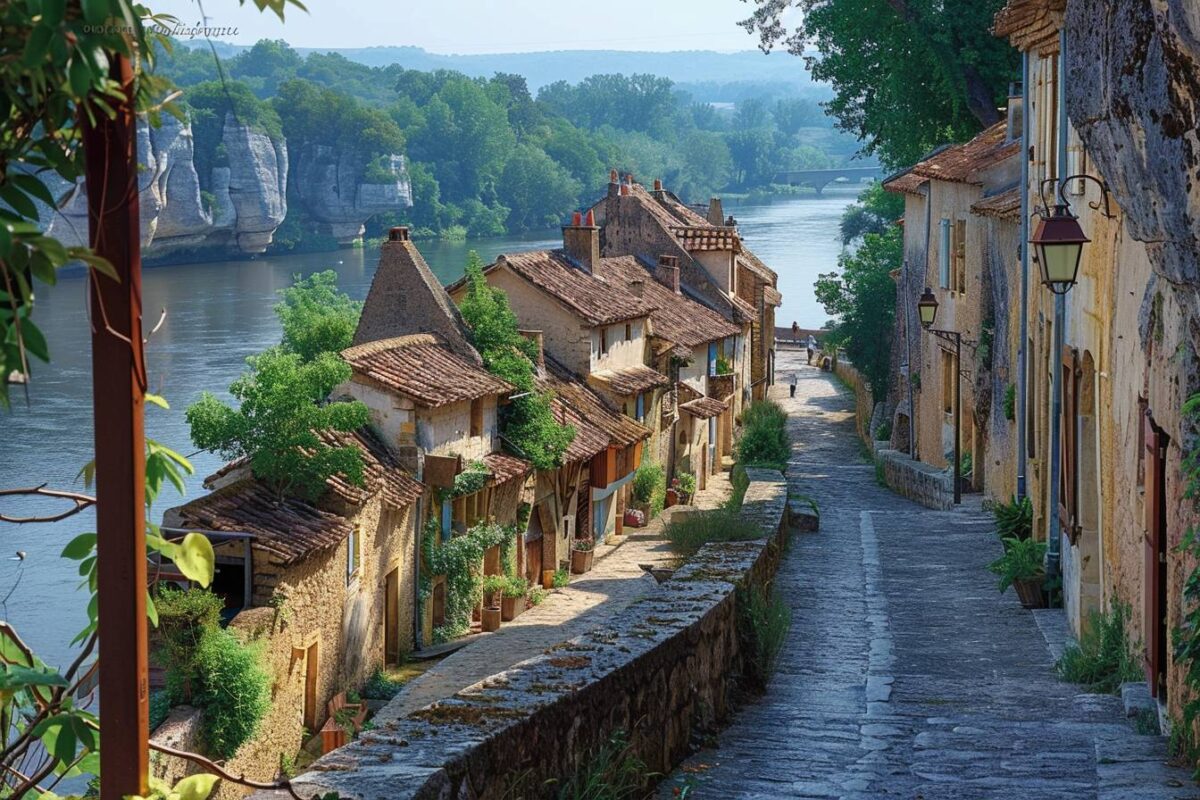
[(864, 412), (667, 667), (929, 486)]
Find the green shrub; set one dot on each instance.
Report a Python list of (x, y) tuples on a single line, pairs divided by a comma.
[(1014, 519), (687, 483), (740, 482), (883, 432), (1010, 403), (1022, 561), (234, 690), (183, 619), (613, 773), (515, 586), (561, 578), (764, 439), (1104, 657), (650, 487), (381, 687), (966, 464), (687, 533), (763, 622), (536, 595), (160, 708)]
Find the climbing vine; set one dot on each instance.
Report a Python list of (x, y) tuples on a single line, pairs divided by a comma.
[(1186, 636), (472, 479), (460, 560)]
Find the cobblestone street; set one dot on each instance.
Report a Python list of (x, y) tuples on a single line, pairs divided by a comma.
[(906, 674)]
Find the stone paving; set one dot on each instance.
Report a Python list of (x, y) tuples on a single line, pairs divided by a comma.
[(589, 601), (906, 674)]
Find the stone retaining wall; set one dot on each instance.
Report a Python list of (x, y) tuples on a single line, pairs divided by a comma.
[(929, 486), (669, 665), (864, 411)]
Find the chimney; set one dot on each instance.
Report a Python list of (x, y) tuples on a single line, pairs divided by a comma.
[(398, 234), (537, 338), (658, 187), (637, 287), (716, 216), (1015, 113), (667, 272), (614, 183), (581, 240)]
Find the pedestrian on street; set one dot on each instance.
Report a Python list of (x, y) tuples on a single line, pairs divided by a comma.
[(812, 347), (792, 385)]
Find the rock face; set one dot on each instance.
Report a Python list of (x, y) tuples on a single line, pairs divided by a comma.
[(329, 184), (248, 197)]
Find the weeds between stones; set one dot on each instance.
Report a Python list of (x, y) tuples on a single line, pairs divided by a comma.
[(613, 773), (1104, 657), (690, 532), (763, 622)]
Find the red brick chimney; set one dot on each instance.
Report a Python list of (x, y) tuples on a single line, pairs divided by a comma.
[(614, 183), (667, 272), (581, 240), (398, 234)]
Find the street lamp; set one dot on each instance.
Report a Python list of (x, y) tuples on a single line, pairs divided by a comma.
[(927, 307), (1059, 242)]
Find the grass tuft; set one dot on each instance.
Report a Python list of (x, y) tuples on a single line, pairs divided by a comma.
[(763, 621), (1104, 657), (687, 533)]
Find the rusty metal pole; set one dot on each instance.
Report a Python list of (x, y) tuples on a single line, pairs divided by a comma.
[(118, 388)]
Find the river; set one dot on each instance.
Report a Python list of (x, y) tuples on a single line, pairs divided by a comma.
[(218, 313)]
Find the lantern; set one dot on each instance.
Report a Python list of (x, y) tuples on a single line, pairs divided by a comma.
[(1059, 243), (927, 308)]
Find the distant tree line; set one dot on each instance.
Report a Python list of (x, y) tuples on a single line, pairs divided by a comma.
[(487, 156)]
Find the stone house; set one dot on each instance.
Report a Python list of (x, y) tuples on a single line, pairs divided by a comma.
[(960, 242), (328, 586)]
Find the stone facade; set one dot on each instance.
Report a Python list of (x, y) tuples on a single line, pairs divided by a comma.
[(658, 675)]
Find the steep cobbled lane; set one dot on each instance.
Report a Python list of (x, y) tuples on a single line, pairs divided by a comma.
[(905, 673)]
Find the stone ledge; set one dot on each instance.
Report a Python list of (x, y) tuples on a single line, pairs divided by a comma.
[(929, 486), (669, 665)]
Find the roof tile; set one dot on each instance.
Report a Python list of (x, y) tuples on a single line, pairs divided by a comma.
[(589, 295), (424, 368)]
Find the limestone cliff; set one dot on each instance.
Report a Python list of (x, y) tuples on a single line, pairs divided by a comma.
[(332, 187)]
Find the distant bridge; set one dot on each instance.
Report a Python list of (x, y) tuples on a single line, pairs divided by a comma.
[(820, 178)]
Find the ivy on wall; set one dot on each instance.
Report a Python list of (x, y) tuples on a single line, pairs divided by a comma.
[(460, 560)]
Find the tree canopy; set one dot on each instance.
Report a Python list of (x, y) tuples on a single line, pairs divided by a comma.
[(907, 74), (316, 317)]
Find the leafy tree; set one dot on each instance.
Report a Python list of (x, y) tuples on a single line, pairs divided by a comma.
[(863, 296), (751, 114), (279, 422), (907, 74), (466, 139), (751, 152), (316, 317), (527, 422), (793, 113), (536, 189), (875, 211), (707, 164)]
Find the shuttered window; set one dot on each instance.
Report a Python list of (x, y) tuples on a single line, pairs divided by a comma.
[(944, 254)]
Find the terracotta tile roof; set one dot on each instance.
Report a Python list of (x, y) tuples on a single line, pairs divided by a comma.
[(423, 368), (704, 407), (681, 211), (381, 472), (505, 468), (747, 311), (906, 182), (962, 163), (629, 380), (700, 238), (589, 296), (584, 401), (1004, 205), (676, 317), (1029, 23), (290, 529), (755, 265)]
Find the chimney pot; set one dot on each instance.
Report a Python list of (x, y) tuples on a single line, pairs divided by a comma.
[(576, 219), (398, 234), (590, 221), (658, 184), (624, 189), (613, 177)]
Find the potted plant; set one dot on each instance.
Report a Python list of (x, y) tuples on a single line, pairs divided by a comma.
[(512, 601), (687, 487), (1021, 567), (582, 553), (548, 579), (493, 586), (491, 618)]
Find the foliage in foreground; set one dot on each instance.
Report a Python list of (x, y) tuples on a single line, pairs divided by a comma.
[(1104, 658), (613, 773), (763, 622), (527, 423), (688, 532), (764, 440)]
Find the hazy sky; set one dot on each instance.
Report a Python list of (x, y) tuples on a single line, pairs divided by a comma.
[(487, 26)]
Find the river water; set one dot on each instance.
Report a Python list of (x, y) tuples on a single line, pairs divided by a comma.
[(218, 313)]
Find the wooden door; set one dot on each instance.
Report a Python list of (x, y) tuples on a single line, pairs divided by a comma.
[(391, 617), (1154, 588)]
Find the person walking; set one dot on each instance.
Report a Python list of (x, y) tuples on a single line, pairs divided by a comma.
[(792, 385), (812, 347)]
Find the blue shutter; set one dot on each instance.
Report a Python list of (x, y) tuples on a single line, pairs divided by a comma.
[(712, 358), (446, 520), (641, 406), (944, 254)]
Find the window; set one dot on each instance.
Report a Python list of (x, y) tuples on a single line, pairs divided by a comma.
[(948, 381), (603, 341), (712, 358), (641, 406), (944, 254), (353, 554), (477, 417), (960, 255), (628, 332)]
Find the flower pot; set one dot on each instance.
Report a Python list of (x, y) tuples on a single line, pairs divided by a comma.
[(547, 579), (491, 618), (511, 607), (672, 498), (581, 561), (1029, 590)]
